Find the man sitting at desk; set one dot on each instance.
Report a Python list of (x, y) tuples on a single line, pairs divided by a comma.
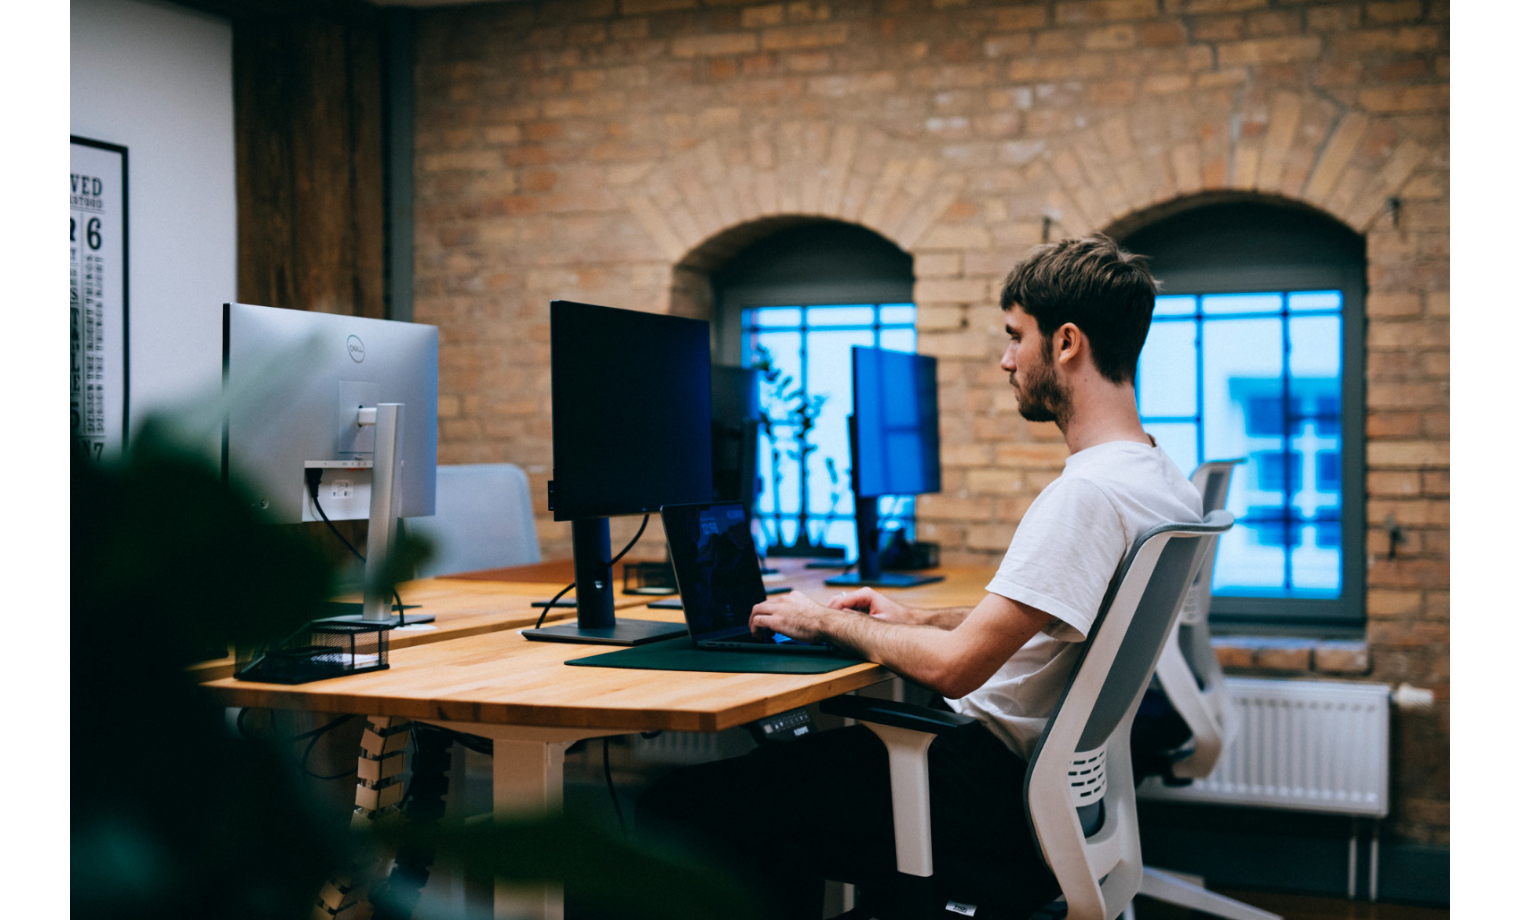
[(1076, 313)]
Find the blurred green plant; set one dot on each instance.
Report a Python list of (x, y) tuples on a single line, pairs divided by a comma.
[(173, 814)]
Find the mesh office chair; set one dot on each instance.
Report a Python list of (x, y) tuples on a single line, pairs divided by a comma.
[(483, 520), (1081, 813), (1186, 719)]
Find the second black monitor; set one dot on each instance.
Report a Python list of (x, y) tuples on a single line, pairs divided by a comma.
[(894, 449), (632, 432), (896, 422)]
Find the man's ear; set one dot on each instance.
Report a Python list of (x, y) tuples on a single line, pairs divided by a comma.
[(1067, 344)]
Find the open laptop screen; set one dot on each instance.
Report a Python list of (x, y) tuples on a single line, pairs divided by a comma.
[(716, 566)]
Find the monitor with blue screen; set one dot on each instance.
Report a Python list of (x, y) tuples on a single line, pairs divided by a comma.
[(894, 449)]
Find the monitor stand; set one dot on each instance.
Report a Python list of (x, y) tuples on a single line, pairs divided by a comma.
[(384, 505), (595, 620), (868, 573)]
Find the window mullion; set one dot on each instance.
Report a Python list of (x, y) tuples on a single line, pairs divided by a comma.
[(1287, 446)]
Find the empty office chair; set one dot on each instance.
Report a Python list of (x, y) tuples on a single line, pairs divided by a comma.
[(1081, 813), (484, 520), (1186, 720)]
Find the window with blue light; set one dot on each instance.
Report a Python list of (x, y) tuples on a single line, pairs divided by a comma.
[(1258, 376), (805, 394)]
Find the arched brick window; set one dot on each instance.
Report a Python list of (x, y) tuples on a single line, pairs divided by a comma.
[(1256, 351), (798, 299)]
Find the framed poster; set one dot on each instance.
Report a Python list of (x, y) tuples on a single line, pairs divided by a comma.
[(98, 297)]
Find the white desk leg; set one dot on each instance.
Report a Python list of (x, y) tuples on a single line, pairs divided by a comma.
[(527, 778)]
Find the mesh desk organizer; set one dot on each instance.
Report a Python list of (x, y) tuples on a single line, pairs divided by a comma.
[(649, 578), (318, 651)]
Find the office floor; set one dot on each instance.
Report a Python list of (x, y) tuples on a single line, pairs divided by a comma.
[(1298, 907), (586, 796)]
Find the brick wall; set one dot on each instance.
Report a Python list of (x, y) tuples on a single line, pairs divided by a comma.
[(607, 150)]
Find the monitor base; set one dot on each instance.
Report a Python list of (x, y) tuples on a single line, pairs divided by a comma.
[(884, 580), (623, 632), (568, 602)]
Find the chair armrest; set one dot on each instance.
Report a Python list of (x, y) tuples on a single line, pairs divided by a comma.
[(898, 715), (906, 731)]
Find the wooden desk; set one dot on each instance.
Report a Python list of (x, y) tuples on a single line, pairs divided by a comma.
[(463, 605), (488, 680), (522, 696), (500, 678), (961, 587)]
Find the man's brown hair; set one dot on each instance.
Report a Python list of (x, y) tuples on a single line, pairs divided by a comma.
[(1106, 292)]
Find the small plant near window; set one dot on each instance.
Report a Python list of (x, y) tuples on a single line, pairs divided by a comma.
[(784, 404)]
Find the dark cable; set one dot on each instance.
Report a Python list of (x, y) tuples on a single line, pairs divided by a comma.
[(307, 757), (550, 606), (321, 730), (611, 790), (471, 742), (615, 560), (312, 481), (316, 735)]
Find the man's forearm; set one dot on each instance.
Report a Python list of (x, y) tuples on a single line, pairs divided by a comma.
[(944, 617), (917, 651), (953, 661)]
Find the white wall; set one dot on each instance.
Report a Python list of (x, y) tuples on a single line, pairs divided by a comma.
[(158, 80)]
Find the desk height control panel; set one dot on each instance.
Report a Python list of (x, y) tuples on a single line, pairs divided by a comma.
[(785, 726)]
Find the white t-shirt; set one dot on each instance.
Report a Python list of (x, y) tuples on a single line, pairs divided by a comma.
[(1061, 560)]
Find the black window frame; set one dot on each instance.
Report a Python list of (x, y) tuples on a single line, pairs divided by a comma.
[(1252, 246), (904, 514), (804, 263)]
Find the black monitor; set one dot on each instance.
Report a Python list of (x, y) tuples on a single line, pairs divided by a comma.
[(735, 433), (894, 449), (632, 432)]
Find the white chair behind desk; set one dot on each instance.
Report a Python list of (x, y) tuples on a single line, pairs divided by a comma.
[(1192, 682), (484, 520)]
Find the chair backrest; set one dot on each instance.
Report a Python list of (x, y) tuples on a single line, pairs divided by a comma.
[(1212, 480), (1097, 862), (1189, 671), (484, 520)]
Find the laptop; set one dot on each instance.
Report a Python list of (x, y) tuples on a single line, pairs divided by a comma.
[(718, 575)]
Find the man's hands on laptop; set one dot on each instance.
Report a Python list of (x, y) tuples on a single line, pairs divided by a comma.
[(800, 617), (869, 600), (795, 615)]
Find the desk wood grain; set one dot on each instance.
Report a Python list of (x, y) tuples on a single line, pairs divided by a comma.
[(460, 609), (502, 678), (486, 672)]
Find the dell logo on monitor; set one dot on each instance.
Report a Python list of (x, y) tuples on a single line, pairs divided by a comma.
[(356, 349)]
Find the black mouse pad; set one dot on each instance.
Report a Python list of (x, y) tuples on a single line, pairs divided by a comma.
[(680, 654)]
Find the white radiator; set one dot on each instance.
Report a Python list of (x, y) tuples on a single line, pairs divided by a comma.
[(1303, 745)]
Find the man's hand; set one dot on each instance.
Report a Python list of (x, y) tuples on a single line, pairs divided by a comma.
[(953, 653), (869, 600), (793, 614)]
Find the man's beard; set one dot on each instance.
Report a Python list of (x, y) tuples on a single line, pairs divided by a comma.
[(1042, 398)]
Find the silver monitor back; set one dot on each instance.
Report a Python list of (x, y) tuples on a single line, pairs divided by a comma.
[(296, 380)]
